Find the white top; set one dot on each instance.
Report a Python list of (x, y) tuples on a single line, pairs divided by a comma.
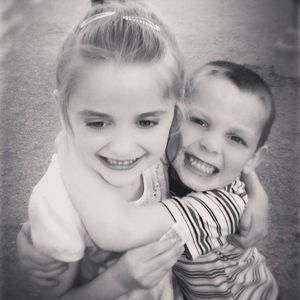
[(57, 230), (56, 227)]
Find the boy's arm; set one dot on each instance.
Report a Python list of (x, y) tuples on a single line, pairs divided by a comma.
[(65, 280), (140, 268), (254, 221)]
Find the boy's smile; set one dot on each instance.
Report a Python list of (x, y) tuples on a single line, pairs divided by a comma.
[(220, 135), (120, 119), (199, 166)]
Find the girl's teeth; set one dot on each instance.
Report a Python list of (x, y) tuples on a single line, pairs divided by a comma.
[(201, 165), (120, 162)]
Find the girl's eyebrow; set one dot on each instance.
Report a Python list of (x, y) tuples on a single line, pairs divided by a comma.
[(90, 113), (156, 113)]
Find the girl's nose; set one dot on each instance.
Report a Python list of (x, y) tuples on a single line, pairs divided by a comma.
[(122, 145)]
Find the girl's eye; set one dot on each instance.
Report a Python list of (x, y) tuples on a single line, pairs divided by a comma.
[(237, 140), (147, 123), (199, 121), (97, 124)]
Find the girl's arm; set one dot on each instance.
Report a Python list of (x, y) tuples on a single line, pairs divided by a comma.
[(123, 226), (254, 221)]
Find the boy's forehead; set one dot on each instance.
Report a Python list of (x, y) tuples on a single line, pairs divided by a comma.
[(213, 95)]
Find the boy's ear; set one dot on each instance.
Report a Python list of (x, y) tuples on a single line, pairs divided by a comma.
[(256, 159)]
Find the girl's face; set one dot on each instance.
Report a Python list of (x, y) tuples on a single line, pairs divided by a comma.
[(219, 136), (120, 119)]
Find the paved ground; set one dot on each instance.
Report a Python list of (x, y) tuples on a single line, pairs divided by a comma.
[(243, 31)]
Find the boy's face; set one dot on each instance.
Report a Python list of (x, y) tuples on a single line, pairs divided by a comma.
[(220, 135), (120, 120)]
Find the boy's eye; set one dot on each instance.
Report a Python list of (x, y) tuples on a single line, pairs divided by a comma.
[(97, 124), (199, 121), (147, 123), (237, 139)]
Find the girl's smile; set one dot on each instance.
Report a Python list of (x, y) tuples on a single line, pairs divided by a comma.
[(121, 126), (117, 164)]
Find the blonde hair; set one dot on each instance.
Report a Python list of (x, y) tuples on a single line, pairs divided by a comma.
[(118, 37)]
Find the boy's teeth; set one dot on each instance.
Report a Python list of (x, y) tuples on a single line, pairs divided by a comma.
[(120, 162), (201, 165)]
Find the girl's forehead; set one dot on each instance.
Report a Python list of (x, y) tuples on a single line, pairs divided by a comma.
[(118, 89), (131, 78)]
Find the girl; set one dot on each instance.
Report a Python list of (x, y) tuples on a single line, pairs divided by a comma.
[(119, 79)]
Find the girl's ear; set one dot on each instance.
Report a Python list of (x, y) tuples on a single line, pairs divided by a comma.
[(256, 159), (61, 118)]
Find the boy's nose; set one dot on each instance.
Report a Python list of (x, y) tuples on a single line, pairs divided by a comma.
[(210, 144)]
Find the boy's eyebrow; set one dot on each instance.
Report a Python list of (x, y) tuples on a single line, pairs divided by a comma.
[(243, 130), (156, 113)]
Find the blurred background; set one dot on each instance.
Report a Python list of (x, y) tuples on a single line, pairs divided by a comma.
[(243, 31)]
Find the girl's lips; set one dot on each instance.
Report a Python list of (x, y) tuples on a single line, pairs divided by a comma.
[(119, 164), (199, 166)]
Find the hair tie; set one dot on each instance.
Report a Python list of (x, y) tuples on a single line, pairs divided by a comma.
[(139, 20), (96, 17), (143, 21)]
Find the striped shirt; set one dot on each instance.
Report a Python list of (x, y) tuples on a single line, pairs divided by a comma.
[(211, 268)]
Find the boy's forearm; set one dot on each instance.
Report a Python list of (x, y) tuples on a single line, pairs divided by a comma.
[(109, 285)]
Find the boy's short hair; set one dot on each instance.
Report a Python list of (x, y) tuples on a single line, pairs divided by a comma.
[(244, 79)]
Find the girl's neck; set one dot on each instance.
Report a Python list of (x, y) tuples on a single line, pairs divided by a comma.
[(132, 192)]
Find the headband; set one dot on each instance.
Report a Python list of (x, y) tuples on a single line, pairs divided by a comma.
[(139, 20)]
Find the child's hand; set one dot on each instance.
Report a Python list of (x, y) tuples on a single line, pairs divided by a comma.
[(41, 269), (254, 221), (144, 267)]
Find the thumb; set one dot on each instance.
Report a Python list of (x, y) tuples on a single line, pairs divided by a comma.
[(245, 224)]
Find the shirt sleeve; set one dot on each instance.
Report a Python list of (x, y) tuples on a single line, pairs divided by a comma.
[(207, 218), (56, 228)]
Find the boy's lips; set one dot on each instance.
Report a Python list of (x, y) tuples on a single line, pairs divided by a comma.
[(119, 164), (199, 166)]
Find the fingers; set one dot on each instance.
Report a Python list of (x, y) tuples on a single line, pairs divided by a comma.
[(164, 260), (30, 258), (48, 275), (247, 239), (245, 224), (43, 282), (152, 250), (237, 241)]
